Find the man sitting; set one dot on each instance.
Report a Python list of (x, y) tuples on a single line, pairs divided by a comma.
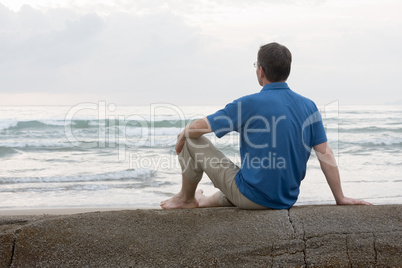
[(277, 129)]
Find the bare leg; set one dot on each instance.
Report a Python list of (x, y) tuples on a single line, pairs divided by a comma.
[(185, 198), (207, 201)]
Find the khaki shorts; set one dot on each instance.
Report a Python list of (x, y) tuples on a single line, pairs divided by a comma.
[(199, 156)]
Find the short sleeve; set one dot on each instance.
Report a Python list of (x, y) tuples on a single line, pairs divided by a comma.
[(319, 135), (225, 120), (313, 130)]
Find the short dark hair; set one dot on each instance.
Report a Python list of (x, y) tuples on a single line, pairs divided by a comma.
[(275, 60)]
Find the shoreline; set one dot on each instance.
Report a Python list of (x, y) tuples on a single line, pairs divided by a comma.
[(65, 210)]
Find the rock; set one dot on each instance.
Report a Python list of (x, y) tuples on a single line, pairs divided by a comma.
[(6, 249), (358, 236)]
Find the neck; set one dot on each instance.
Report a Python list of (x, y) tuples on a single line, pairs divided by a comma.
[(266, 82)]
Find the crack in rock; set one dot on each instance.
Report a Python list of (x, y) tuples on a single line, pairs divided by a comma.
[(375, 252), (347, 251), (305, 245), (353, 233), (292, 224), (13, 250), (15, 234), (12, 222), (286, 253)]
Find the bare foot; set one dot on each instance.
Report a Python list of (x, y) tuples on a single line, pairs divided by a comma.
[(207, 201), (200, 197), (178, 201)]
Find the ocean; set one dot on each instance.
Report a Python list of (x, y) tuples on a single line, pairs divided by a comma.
[(103, 155)]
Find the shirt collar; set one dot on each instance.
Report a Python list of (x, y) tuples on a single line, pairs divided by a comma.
[(276, 85)]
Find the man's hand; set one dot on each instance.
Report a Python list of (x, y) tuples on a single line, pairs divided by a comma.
[(180, 143), (196, 129), (350, 201)]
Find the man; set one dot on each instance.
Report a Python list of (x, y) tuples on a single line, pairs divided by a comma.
[(277, 129)]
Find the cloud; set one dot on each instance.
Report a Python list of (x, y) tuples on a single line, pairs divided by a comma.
[(59, 47), (35, 47), (123, 56), (199, 52), (87, 52)]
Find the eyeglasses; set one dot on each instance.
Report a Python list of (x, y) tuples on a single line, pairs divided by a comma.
[(255, 64)]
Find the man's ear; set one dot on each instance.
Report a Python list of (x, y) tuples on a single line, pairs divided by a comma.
[(262, 74)]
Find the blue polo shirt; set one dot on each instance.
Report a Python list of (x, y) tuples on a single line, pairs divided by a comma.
[(277, 128)]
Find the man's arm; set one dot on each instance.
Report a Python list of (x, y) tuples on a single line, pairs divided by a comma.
[(195, 129), (331, 172)]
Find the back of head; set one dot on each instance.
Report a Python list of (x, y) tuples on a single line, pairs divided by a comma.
[(275, 60)]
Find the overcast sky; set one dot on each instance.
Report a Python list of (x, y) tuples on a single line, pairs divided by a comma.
[(196, 52)]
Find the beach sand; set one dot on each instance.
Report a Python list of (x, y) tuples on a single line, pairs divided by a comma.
[(59, 211)]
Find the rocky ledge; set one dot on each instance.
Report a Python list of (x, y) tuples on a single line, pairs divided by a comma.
[(330, 236)]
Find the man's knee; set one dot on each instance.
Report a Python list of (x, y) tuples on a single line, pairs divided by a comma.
[(197, 143), (191, 150)]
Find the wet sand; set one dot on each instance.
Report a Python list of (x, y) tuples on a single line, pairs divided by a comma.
[(59, 211)]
